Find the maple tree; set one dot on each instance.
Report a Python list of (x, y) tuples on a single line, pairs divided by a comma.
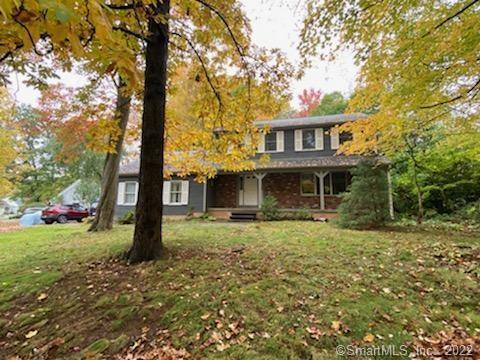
[(309, 100), (213, 37), (419, 64), (7, 155)]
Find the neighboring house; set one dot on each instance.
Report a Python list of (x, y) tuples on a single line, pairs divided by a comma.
[(8, 207), (303, 173), (69, 195)]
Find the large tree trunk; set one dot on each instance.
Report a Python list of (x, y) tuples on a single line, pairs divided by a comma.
[(106, 206), (147, 240)]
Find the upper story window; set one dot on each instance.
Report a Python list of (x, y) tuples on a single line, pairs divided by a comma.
[(308, 139), (271, 142)]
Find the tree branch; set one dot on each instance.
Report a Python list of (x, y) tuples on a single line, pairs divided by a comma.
[(235, 41), (125, 6), (458, 97), (130, 32), (458, 13), (204, 67)]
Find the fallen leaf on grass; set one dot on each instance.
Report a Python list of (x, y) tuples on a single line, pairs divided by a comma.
[(336, 325), (221, 347), (369, 338), (31, 334), (205, 316), (42, 296)]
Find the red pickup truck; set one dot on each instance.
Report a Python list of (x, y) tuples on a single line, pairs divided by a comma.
[(63, 213)]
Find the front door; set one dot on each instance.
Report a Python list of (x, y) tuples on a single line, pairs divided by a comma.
[(248, 195)]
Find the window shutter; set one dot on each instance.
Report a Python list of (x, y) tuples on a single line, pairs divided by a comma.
[(334, 139), (280, 141), (136, 192), (121, 193), (261, 143), (319, 139), (298, 140), (185, 186), (166, 192)]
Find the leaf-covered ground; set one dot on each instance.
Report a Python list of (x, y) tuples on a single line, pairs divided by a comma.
[(260, 290)]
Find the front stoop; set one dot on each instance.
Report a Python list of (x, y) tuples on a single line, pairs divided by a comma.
[(243, 215)]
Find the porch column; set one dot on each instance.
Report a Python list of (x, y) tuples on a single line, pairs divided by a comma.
[(321, 175), (390, 195), (260, 177)]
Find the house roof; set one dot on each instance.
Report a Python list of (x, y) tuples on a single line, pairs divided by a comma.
[(311, 121)]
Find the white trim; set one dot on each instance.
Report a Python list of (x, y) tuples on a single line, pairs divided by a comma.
[(121, 193), (204, 202), (166, 193), (334, 139), (280, 141), (185, 188), (261, 143), (298, 135), (319, 139)]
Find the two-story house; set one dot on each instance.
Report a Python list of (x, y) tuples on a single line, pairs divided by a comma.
[(304, 172)]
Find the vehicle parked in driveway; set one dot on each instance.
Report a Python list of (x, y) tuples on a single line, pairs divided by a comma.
[(64, 213), (32, 210)]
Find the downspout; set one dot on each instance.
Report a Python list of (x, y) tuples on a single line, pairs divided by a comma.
[(205, 196)]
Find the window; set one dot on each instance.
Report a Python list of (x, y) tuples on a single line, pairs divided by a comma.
[(308, 184), (130, 194), (345, 136), (175, 192), (308, 139), (271, 141), (336, 182)]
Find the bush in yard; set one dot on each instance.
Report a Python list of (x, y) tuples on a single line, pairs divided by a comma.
[(366, 205), (301, 214), (269, 208), (127, 218)]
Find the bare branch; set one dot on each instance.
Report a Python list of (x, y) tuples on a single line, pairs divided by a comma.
[(235, 41), (458, 97), (204, 67), (124, 7), (458, 13), (130, 32)]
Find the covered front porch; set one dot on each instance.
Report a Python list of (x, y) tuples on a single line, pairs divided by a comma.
[(317, 190)]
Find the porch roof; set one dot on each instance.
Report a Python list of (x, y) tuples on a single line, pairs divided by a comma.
[(336, 161)]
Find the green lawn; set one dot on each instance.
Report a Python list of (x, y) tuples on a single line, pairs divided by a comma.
[(261, 290)]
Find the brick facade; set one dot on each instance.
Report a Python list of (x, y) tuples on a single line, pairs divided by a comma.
[(225, 191), (285, 187)]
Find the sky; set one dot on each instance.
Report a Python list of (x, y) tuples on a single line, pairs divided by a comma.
[(275, 24)]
